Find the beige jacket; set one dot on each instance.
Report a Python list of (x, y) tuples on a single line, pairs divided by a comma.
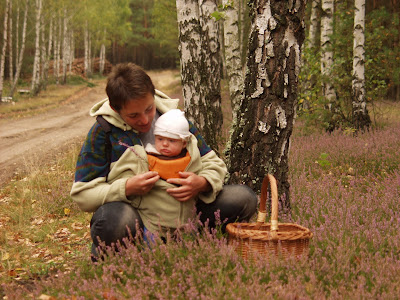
[(157, 209)]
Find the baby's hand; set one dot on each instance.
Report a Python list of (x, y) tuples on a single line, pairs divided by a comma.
[(141, 184)]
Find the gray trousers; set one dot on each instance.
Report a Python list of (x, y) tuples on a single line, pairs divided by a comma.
[(110, 223)]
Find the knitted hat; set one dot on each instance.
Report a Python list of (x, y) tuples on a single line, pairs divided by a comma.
[(172, 124)]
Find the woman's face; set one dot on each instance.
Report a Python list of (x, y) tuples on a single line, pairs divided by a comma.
[(139, 113), (168, 146)]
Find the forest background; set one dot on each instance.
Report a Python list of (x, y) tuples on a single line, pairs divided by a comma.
[(363, 176)]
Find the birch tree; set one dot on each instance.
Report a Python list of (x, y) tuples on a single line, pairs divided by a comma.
[(36, 62), (200, 66), (361, 119), (312, 35), (3, 51), (328, 90), (19, 55), (233, 59), (261, 137), (10, 43), (65, 47)]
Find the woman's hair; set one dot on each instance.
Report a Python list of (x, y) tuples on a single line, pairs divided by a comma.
[(127, 82)]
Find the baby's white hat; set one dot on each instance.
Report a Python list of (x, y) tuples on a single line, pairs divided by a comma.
[(173, 124)]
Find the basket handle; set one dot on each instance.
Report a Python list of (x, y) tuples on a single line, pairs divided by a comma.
[(269, 179)]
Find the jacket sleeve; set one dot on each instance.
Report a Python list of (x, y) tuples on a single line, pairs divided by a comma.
[(213, 167), (90, 189), (214, 171)]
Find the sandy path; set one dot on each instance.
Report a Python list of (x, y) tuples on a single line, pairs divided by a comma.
[(43, 135)]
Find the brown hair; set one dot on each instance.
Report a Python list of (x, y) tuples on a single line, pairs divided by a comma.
[(127, 82)]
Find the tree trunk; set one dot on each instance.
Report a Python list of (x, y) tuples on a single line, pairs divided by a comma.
[(36, 62), (312, 37), (3, 51), (327, 59), (49, 49), (261, 137), (20, 55), (10, 45), (86, 49), (361, 119), (102, 60), (43, 58), (200, 66), (233, 58), (57, 49), (65, 50)]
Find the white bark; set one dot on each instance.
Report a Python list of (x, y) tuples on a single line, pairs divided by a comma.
[(36, 62), (65, 49), (3, 51), (71, 49), (233, 59), (20, 54), (17, 37), (57, 48), (10, 45), (360, 112), (189, 47), (42, 53), (312, 37), (86, 49), (326, 51), (260, 141), (102, 59), (200, 66)]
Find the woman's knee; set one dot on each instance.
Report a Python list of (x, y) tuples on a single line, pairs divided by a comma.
[(114, 221)]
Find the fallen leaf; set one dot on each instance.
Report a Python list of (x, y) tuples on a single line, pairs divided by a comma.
[(67, 211)]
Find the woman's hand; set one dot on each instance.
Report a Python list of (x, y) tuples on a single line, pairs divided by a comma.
[(141, 184), (190, 186)]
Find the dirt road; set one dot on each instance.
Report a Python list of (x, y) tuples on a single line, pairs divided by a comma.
[(24, 141)]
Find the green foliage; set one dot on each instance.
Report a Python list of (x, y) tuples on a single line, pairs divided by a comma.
[(382, 67), (382, 59), (165, 29)]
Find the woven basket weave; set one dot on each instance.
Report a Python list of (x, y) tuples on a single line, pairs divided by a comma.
[(269, 239)]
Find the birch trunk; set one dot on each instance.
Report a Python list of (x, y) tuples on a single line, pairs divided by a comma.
[(65, 51), (36, 62), (327, 58), (49, 49), (361, 119), (86, 48), (20, 55), (232, 54), (42, 55), (102, 59), (71, 49), (17, 36), (261, 137), (3, 51), (200, 66), (57, 49), (312, 37), (210, 74), (10, 45)]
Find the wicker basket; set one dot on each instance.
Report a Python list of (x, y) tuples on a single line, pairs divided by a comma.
[(269, 239)]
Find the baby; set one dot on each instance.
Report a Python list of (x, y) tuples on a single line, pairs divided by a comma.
[(169, 156)]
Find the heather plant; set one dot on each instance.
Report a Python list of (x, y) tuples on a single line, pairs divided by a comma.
[(345, 189)]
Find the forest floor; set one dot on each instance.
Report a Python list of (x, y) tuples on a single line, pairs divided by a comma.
[(45, 134)]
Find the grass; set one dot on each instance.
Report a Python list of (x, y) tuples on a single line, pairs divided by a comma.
[(24, 105), (344, 188)]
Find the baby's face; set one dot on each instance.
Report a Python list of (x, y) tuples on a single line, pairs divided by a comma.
[(168, 146)]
